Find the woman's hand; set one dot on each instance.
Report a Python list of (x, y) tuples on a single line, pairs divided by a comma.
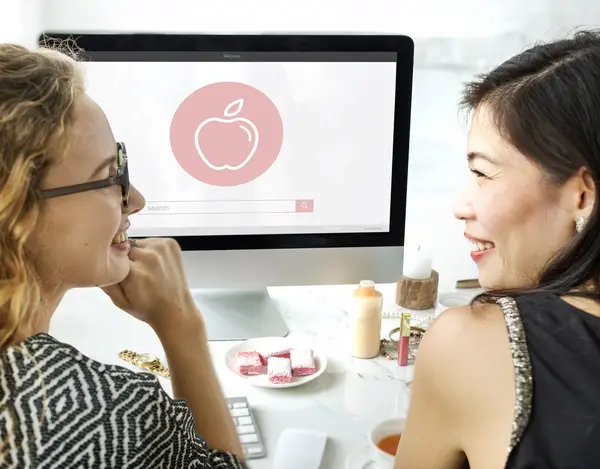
[(156, 290)]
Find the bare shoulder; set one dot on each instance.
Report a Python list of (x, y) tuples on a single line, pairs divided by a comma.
[(459, 328), (462, 394), (466, 352)]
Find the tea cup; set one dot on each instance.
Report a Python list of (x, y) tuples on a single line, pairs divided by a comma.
[(385, 428)]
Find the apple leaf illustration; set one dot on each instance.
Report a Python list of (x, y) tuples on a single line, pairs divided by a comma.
[(234, 108)]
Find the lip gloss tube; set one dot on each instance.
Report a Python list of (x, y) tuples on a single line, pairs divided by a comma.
[(404, 340)]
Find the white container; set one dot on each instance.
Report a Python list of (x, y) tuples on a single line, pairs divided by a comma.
[(364, 320)]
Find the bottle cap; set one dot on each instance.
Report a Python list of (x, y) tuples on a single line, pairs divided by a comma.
[(367, 284), (405, 325)]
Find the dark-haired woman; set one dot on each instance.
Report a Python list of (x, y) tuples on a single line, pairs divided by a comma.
[(513, 380)]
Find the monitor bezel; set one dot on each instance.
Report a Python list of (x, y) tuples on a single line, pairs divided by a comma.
[(402, 45)]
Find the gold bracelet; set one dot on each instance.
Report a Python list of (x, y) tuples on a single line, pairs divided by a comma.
[(146, 362)]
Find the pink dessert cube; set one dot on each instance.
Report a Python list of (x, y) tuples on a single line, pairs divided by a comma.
[(279, 370), (284, 353), (249, 363), (303, 362)]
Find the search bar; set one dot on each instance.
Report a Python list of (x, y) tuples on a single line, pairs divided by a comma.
[(216, 207)]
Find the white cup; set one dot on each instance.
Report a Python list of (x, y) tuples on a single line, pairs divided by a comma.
[(385, 428)]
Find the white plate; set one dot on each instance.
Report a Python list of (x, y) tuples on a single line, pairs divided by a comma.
[(265, 344)]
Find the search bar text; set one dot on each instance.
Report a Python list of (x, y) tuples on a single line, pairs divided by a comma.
[(210, 207)]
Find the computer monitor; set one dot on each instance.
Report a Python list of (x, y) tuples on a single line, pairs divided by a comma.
[(272, 159)]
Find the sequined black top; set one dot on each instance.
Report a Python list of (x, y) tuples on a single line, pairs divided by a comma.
[(556, 354), (60, 410)]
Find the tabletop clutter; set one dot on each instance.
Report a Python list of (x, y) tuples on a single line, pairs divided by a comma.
[(416, 290)]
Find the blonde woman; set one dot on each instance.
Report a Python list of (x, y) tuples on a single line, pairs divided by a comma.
[(65, 200)]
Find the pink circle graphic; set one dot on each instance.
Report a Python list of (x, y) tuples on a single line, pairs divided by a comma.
[(226, 134)]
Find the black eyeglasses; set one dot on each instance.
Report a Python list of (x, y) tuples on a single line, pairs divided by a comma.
[(121, 179)]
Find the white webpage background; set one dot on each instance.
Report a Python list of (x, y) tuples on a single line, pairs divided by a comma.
[(337, 149)]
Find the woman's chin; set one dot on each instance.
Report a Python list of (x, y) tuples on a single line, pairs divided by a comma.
[(117, 272), (489, 282), (111, 276)]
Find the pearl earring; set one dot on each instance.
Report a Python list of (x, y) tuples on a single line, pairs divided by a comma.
[(580, 224)]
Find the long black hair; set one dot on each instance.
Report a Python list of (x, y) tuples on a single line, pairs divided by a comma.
[(546, 103)]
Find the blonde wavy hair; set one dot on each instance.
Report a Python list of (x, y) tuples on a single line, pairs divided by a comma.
[(37, 92)]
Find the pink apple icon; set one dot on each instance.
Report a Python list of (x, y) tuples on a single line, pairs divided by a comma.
[(214, 133), (224, 140)]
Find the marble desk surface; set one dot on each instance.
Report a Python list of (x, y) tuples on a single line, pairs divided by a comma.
[(345, 402)]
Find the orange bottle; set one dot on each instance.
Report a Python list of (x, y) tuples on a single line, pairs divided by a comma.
[(364, 320)]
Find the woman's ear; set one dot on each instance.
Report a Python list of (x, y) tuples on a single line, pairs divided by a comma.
[(586, 189)]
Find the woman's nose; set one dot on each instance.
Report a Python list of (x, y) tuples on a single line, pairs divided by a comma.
[(463, 209), (136, 201)]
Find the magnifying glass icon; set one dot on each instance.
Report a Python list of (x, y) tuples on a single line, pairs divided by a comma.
[(304, 205)]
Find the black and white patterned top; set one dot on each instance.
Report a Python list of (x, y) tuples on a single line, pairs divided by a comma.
[(61, 409)]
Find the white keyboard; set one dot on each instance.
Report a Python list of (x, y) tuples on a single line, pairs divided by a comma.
[(246, 427)]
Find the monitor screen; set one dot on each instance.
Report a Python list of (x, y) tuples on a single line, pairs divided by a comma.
[(251, 143)]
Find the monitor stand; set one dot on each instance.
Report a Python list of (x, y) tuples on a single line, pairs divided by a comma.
[(239, 314)]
